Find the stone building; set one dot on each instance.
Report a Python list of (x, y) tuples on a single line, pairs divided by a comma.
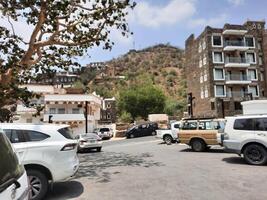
[(225, 66)]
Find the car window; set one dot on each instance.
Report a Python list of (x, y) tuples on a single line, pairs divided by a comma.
[(189, 126), (34, 136), (104, 129), (176, 126), (66, 132), (9, 167), (15, 136), (260, 124), (244, 124)]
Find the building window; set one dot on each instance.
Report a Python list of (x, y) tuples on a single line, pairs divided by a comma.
[(252, 74), (217, 57), (108, 116), (108, 105), (249, 41), (217, 41), (220, 91), (251, 57), (254, 90), (212, 106), (206, 92), (204, 44), (200, 62), (218, 74), (201, 78), (204, 60), (205, 76), (202, 93), (199, 48), (75, 111), (52, 111), (260, 60), (61, 111)]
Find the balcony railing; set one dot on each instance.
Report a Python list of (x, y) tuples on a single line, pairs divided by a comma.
[(236, 94), (237, 77), (236, 60), (236, 43)]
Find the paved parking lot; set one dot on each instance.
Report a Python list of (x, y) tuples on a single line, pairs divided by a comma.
[(146, 169)]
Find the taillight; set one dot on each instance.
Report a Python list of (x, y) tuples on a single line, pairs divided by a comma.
[(69, 147), (82, 141)]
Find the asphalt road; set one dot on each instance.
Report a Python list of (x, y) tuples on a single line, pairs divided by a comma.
[(146, 169)]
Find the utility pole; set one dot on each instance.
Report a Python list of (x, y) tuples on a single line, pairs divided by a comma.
[(86, 116), (190, 99)]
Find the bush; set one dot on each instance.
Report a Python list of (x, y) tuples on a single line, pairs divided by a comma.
[(126, 117)]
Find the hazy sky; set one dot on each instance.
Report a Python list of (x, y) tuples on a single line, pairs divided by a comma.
[(172, 21)]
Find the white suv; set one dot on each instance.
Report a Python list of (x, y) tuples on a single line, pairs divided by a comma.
[(247, 135), (48, 153)]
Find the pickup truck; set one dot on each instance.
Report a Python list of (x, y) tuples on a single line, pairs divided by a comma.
[(200, 134), (169, 135)]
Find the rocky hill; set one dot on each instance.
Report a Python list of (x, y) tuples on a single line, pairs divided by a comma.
[(162, 63)]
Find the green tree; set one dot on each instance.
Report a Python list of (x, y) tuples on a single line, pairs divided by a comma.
[(141, 101), (61, 30)]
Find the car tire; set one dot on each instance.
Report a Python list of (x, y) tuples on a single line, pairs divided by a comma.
[(98, 149), (131, 135), (255, 154), (153, 133), (198, 145), (38, 184), (168, 139)]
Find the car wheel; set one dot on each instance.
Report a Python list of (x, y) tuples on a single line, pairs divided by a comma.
[(255, 154), (153, 133), (98, 149), (131, 135), (198, 145), (168, 139), (38, 184)]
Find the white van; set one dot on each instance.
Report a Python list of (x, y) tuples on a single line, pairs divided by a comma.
[(13, 177)]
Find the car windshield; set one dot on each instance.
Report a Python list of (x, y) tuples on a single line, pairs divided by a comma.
[(104, 129), (66, 132), (90, 135), (10, 169)]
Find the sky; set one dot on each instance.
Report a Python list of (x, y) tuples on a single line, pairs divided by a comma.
[(171, 21)]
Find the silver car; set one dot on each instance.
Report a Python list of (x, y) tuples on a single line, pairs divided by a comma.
[(89, 141)]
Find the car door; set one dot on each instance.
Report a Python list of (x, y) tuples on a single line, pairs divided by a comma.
[(261, 129), (243, 130), (18, 140)]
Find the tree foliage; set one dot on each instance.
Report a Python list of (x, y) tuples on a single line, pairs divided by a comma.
[(141, 101), (62, 29)]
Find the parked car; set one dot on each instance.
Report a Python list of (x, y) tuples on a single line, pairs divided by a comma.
[(48, 153), (104, 133), (247, 136), (169, 135), (140, 130), (200, 134), (89, 141), (13, 177)]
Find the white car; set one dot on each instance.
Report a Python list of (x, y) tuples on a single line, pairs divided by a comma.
[(169, 135), (247, 135), (104, 133), (48, 153), (13, 177), (89, 141)]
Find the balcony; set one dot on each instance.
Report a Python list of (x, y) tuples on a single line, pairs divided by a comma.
[(234, 32), (232, 45), (67, 117), (236, 62), (236, 94), (237, 79)]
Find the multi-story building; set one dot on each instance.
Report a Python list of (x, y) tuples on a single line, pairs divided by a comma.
[(108, 111), (225, 66)]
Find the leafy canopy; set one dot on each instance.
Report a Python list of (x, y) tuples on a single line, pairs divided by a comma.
[(61, 30)]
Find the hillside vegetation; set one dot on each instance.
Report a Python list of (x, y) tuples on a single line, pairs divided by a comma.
[(159, 65)]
